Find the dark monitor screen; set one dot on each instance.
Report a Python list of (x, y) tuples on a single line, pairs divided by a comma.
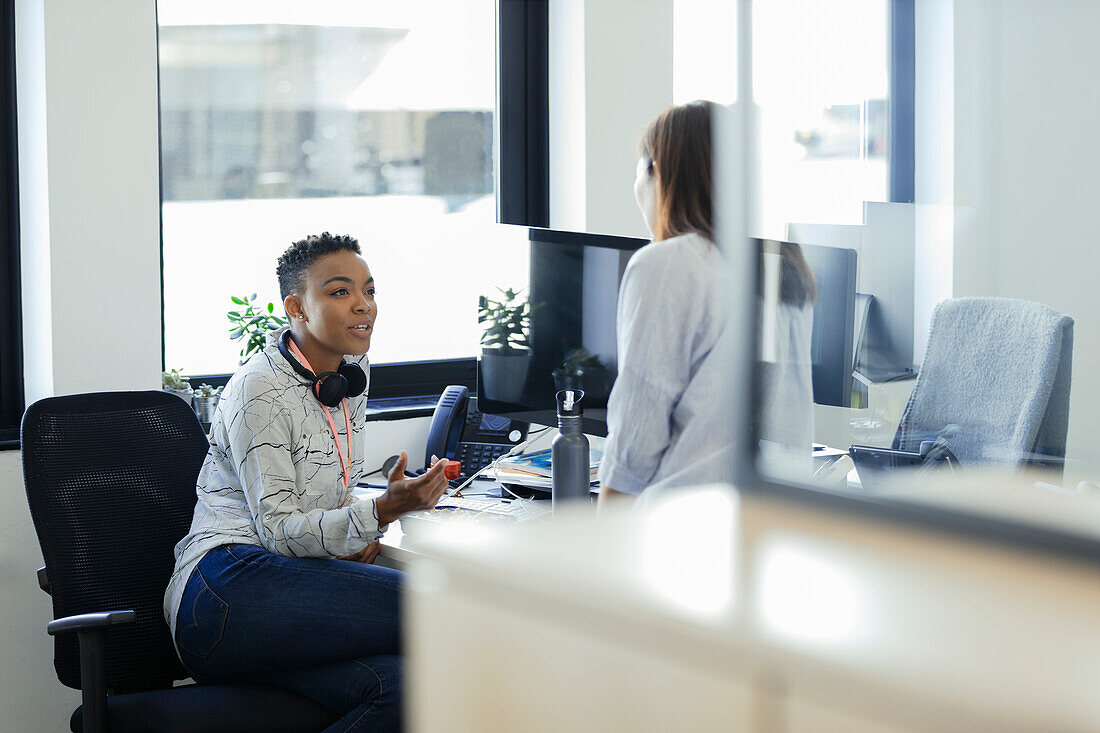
[(832, 348), (574, 295)]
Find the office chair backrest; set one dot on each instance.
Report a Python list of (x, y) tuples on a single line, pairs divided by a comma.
[(995, 384), (110, 479)]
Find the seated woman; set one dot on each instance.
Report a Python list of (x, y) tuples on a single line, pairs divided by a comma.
[(671, 413), (273, 583)]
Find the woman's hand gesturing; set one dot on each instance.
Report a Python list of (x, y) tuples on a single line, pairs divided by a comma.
[(405, 494)]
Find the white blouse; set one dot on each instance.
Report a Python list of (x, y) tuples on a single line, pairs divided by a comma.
[(671, 414)]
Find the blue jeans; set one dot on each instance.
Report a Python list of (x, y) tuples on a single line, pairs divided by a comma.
[(326, 629)]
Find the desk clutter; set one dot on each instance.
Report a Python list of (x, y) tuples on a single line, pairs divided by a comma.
[(480, 509), (533, 470)]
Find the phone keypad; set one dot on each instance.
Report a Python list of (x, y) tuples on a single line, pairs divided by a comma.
[(476, 456)]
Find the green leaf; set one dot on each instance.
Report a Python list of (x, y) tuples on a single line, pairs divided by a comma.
[(237, 300), (270, 307)]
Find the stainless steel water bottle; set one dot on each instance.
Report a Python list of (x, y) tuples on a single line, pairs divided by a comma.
[(569, 452)]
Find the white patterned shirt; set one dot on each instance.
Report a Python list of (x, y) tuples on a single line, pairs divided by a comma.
[(272, 476)]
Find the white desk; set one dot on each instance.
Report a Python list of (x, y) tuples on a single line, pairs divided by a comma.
[(726, 612), (397, 550)]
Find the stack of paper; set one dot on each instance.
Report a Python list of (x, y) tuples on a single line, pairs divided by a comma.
[(535, 470)]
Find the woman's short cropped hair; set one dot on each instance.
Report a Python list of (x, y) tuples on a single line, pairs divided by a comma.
[(295, 262)]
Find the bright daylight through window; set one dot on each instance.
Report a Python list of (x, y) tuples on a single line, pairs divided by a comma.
[(364, 117), (821, 90)]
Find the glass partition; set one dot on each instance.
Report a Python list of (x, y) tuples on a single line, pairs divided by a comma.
[(973, 329)]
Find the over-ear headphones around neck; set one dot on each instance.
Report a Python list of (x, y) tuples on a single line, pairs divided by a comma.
[(328, 387)]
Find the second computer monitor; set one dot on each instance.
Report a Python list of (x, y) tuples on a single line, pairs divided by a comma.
[(832, 352)]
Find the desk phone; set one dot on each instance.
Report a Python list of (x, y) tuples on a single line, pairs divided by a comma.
[(460, 433)]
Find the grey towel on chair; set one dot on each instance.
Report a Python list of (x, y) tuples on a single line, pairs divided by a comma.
[(994, 383)]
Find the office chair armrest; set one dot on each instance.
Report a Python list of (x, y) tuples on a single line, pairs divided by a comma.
[(84, 621), (44, 580), (90, 628)]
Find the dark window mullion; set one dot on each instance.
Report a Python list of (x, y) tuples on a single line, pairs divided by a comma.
[(902, 161), (11, 347), (523, 196)]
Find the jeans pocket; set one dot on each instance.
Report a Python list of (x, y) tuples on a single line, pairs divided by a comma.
[(201, 620)]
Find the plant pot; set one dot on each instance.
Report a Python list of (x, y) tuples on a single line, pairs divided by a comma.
[(503, 375), (204, 407), (183, 394)]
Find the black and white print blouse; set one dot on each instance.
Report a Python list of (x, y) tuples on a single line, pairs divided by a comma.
[(273, 477)]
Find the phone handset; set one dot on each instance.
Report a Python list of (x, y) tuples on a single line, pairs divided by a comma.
[(448, 421)]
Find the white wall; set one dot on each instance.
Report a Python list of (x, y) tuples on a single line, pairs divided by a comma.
[(610, 75), (31, 698), (1026, 162), (99, 291)]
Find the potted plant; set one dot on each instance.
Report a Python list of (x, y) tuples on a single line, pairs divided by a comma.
[(505, 344), (205, 401), (172, 381), (253, 324), (583, 370)]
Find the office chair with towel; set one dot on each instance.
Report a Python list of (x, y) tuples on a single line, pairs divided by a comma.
[(994, 384), (110, 480)]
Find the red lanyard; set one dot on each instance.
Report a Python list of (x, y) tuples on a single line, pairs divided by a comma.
[(345, 465)]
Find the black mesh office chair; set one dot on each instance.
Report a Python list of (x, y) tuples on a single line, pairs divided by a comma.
[(110, 480)]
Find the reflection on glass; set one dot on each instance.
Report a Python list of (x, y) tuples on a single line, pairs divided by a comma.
[(993, 391), (570, 342), (784, 417), (692, 567), (820, 85), (803, 597), (505, 344)]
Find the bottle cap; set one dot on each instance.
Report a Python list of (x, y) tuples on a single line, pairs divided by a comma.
[(569, 402)]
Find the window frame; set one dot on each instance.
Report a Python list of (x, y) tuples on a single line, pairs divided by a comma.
[(12, 401), (523, 112), (903, 80)]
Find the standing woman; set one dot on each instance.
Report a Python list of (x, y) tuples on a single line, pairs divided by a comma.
[(670, 416), (273, 583)]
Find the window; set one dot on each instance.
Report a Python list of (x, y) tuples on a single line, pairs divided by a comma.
[(821, 85), (832, 104), (374, 119), (11, 353)]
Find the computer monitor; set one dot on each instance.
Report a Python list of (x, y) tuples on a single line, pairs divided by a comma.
[(896, 326), (574, 293), (831, 348)]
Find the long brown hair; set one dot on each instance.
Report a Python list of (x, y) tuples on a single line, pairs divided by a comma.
[(797, 284), (678, 144)]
